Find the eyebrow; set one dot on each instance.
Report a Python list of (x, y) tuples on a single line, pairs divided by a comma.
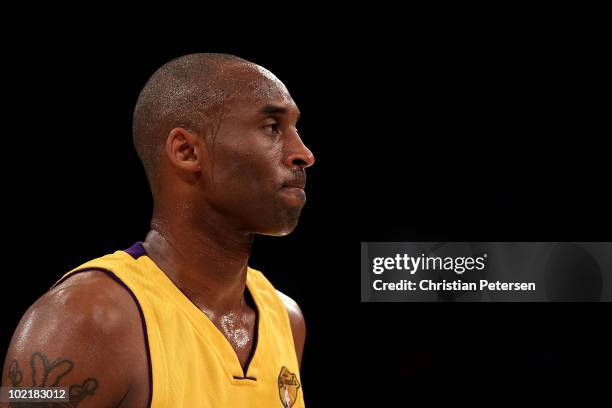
[(275, 109)]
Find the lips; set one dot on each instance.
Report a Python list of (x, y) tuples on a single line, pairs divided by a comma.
[(294, 185), (298, 182), (294, 188), (295, 193)]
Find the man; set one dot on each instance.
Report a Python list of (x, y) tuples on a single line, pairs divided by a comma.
[(180, 319)]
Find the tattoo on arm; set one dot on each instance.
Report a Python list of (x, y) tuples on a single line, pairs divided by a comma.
[(49, 374)]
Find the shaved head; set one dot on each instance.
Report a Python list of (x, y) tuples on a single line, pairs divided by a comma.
[(191, 91), (218, 140)]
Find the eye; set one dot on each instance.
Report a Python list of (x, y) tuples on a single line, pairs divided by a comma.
[(273, 128)]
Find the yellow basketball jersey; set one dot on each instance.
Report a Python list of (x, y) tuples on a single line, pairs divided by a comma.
[(191, 363)]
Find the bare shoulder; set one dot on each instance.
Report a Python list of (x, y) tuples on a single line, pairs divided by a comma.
[(85, 334), (294, 310), (298, 324)]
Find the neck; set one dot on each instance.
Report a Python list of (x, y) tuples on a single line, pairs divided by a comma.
[(204, 260)]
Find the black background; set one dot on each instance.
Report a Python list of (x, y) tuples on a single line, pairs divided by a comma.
[(455, 135)]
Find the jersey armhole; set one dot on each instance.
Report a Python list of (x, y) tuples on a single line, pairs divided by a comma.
[(143, 321)]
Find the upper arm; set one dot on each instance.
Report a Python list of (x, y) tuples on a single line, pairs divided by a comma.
[(81, 335), (298, 324)]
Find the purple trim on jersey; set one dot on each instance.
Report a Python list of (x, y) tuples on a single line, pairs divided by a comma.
[(136, 250), (140, 312)]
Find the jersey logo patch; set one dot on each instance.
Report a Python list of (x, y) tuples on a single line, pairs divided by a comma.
[(288, 386)]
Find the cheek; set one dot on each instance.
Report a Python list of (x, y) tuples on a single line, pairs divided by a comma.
[(250, 173)]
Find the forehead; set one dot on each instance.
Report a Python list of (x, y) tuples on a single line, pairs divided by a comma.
[(254, 87)]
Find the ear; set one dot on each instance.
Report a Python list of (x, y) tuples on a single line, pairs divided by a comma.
[(185, 150)]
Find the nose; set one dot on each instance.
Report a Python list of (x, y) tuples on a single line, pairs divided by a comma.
[(299, 155)]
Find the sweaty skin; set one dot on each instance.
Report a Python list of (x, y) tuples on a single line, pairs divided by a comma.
[(215, 196)]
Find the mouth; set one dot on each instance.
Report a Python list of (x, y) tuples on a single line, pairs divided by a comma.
[(298, 182), (294, 192), (299, 190), (294, 188), (301, 186)]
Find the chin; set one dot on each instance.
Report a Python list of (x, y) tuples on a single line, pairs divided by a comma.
[(280, 231), (280, 222)]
